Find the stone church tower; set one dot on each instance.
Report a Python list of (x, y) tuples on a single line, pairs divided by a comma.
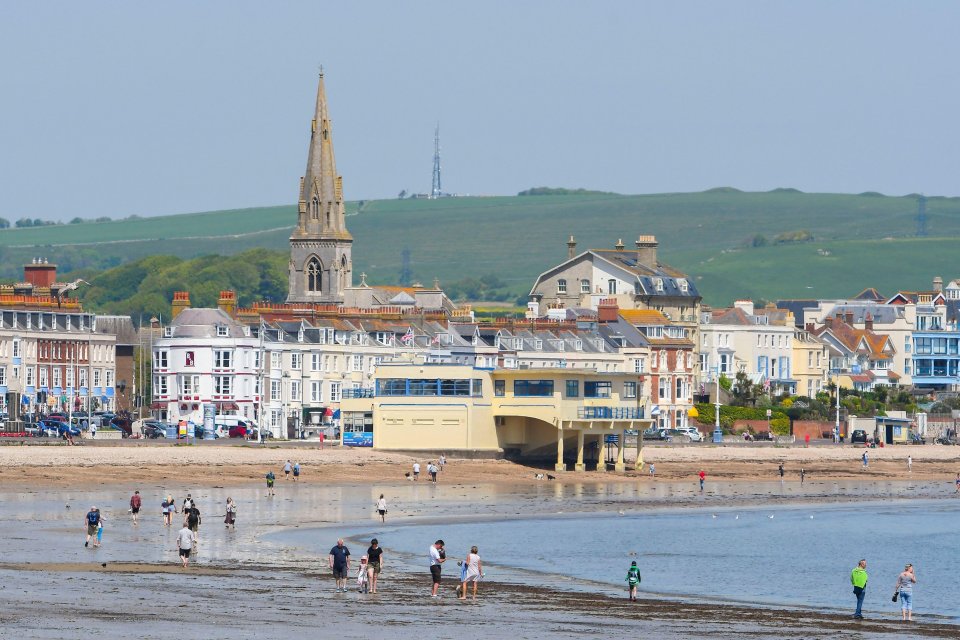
[(321, 267)]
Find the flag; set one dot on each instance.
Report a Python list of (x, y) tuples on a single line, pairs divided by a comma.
[(407, 337), (655, 410)]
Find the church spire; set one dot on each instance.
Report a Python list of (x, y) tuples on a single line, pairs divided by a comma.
[(321, 264), (320, 208)]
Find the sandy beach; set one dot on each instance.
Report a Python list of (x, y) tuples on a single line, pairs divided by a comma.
[(109, 463)]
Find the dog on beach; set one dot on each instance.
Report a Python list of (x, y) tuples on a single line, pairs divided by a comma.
[(543, 476)]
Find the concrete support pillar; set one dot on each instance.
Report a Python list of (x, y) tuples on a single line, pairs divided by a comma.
[(579, 466), (560, 466), (621, 445), (638, 464)]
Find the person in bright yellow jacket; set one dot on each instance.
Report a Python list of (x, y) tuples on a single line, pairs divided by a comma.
[(858, 578)]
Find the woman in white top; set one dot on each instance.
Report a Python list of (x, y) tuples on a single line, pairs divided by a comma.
[(382, 508), (473, 573)]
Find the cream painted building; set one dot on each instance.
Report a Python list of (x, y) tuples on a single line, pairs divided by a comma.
[(811, 363), (527, 412)]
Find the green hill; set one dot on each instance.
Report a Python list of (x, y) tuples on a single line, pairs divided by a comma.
[(726, 239)]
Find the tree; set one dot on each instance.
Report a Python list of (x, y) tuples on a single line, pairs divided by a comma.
[(4, 223), (744, 391), (77, 221), (24, 222), (725, 383), (103, 219)]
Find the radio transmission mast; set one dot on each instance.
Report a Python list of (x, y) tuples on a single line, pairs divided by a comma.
[(922, 216), (436, 190)]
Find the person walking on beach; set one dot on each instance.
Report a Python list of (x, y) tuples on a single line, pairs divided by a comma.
[(653, 470), (92, 519), (474, 571), (416, 471), (187, 504), (958, 483), (442, 461), (904, 589), (432, 470), (909, 464), (287, 468), (633, 579), (703, 477), (780, 470), (865, 460), (374, 564), (802, 475), (185, 542), (135, 504), (858, 578), (270, 480), (191, 520), (230, 520), (99, 530), (296, 471), (382, 508), (437, 558), (340, 565)]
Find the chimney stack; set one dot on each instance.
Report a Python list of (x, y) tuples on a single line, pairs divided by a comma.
[(647, 251), (181, 301), (868, 322), (619, 245), (227, 302), (40, 273), (850, 318), (744, 305), (608, 310), (571, 247), (937, 283)]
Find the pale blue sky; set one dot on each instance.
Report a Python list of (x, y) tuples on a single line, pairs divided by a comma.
[(147, 108)]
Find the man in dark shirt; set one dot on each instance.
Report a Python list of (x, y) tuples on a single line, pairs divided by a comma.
[(193, 521), (340, 564)]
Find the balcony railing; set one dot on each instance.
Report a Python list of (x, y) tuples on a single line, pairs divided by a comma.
[(610, 413), (357, 393)]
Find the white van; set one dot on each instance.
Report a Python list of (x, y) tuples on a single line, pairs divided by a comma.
[(224, 422)]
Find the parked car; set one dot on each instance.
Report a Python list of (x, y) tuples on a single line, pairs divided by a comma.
[(154, 430), (238, 431), (693, 433), (859, 435), (653, 433), (35, 430), (59, 427)]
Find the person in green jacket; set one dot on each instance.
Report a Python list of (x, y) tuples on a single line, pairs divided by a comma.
[(633, 579), (858, 578)]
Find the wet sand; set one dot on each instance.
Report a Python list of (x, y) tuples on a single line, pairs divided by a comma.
[(135, 462), (246, 584)]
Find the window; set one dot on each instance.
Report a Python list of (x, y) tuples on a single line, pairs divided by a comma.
[(810, 359), (275, 417), (499, 388), (257, 386), (296, 361), (16, 348), (168, 332), (295, 391), (31, 373), (222, 359), (222, 385), (680, 389), (629, 389), (275, 390), (584, 286), (476, 388), (356, 363), (82, 376), (638, 365), (316, 391), (314, 276), (256, 359), (109, 378), (664, 388), (161, 359), (97, 373), (561, 286), (538, 388), (573, 388), (43, 377), (275, 359), (57, 377), (682, 283), (315, 362), (597, 389), (222, 331), (189, 385), (658, 284), (612, 287), (160, 385), (335, 392)]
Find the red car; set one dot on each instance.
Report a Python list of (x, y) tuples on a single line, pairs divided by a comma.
[(238, 431)]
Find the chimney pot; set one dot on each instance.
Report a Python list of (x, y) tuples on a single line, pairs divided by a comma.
[(619, 245)]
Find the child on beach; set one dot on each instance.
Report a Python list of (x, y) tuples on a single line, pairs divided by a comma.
[(296, 471), (100, 532), (231, 518), (633, 579), (270, 479), (362, 581)]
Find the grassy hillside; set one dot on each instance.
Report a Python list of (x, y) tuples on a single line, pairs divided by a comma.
[(707, 234)]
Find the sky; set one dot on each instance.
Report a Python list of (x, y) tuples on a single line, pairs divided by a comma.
[(121, 108)]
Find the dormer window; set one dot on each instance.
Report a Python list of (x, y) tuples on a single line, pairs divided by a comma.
[(518, 343), (538, 344), (682, 283), (168, 332), (655, 332), (222, 331), (658, 284), (300, 335), (578, 345)]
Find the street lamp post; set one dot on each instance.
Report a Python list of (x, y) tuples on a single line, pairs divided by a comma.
[(717, 433)]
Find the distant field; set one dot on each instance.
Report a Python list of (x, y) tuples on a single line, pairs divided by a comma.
[(706, 234)]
